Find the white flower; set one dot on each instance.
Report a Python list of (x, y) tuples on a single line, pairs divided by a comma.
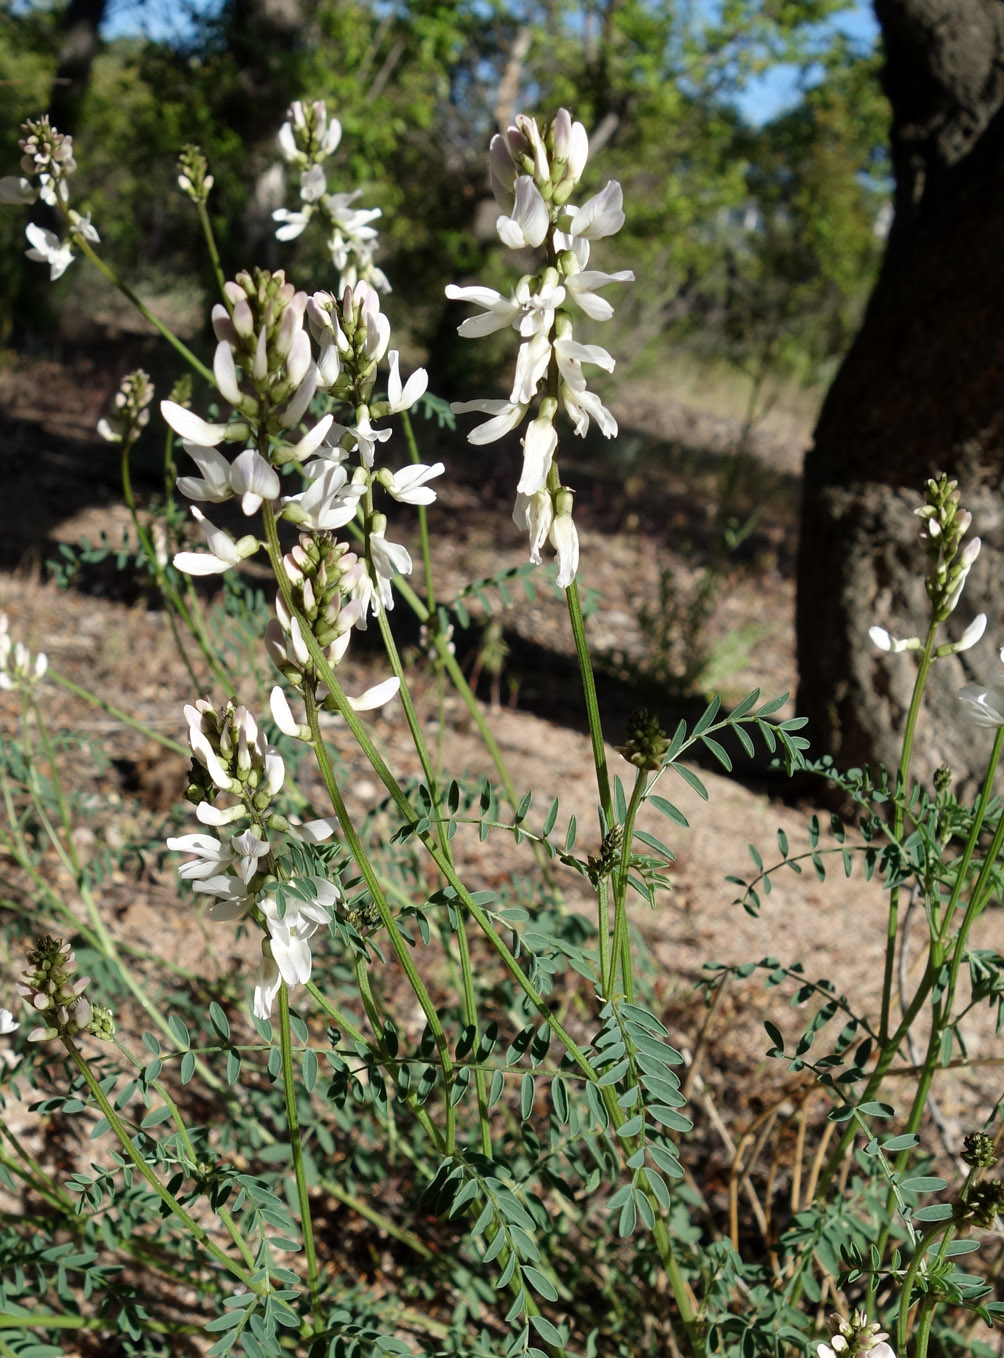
[(17, 668), (213, 486), (571, 144), (8, 1023), (582, 287), (192, 427), (531, 366), (47, 248), (223, 552), (282, 715), (377, 696), (290, 931), (529, 221), (231, 897), (885, 642), (581, 406), (539, 445), (505, 417), (499, 311), (969, 638), (571, 356), (212, 854), (266, 988), (602, 215), (565, 541), (249, 476), (408, 485), (291, 224), (389, 559), (329, 500), (403, 398), (253, 480), (367, 438), (982, 704), (534, 514)]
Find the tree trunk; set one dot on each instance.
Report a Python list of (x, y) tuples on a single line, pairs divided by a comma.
[(920, 391), (79, 45)]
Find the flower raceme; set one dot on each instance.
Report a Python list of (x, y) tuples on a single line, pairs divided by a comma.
[(265, 367), (533, 178), (306, 140), (943, 528), (47, 163), (238, 866)]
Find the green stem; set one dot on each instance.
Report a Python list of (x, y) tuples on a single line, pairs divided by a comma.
[(168, 1199), (903, 1319), (401, 951), (621, 949), (936, 956), (327, 677), (195, 363), (469, 999), (222, 1211), (899, 817), (210, 239), (296, 1149), (116, 712), (592, 706), (423, 518)]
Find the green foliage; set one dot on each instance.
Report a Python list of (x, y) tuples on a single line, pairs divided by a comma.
[(456, 1117)]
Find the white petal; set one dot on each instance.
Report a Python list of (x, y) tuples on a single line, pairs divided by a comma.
[(191, 426), (376, 696), (602, 215), (214, 815), (253, 480), (282, 715), (200, 563), (225, 373)]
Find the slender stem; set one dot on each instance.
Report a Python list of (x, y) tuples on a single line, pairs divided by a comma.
[(116, 712), (210, 238), (222, 1211), (296, 1149), (168, 1199), (468, 997), (327, 676), (168, 590), (423, 518), (355, 847), (85, 248), (892, 1042), (899, 817), (903, 1319), (603, 934), (621, 947), (592, 706)]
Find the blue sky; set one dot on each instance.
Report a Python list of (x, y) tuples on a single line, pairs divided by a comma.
[(770, 94), (779, 88)]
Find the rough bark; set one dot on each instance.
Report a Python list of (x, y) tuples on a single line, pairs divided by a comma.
[(921, 390), (79, 45)]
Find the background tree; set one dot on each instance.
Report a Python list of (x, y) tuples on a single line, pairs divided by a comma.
[(920, 390)]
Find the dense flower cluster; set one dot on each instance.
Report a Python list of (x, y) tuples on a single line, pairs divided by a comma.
[(265, 368), (306, 140), (131, 410), (237, 866), (51, 985), (533, 177), (47, 163), (941, 535), (856, 1338)]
